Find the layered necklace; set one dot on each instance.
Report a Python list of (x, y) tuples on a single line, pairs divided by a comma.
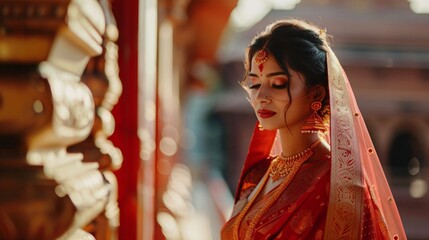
[(280, 167), (283, 166)]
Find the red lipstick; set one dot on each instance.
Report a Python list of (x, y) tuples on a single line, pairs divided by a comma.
[(264, 113)]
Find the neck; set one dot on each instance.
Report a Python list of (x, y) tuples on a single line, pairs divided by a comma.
[(295, 142)]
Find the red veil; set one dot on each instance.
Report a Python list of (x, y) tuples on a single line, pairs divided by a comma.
[(356, 172)]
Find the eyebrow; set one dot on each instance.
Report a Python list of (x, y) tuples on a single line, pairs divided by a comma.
[(269, 74), (276, 74)]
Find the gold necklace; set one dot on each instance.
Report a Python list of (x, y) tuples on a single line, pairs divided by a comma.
[(283, 166), (298, 161)]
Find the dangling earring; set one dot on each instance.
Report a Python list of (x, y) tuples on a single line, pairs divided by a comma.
[(261, 128), (314, 123)]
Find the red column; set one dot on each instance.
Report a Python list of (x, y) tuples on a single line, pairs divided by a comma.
[(125, 113)]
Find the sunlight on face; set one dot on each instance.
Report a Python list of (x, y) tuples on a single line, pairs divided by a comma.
[(270, 92)]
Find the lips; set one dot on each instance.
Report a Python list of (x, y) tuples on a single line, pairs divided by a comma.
[(264, 113)]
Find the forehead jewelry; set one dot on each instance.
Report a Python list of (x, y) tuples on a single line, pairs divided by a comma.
[(261, 58)]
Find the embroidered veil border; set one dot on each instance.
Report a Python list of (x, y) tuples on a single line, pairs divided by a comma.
[(355, 165)]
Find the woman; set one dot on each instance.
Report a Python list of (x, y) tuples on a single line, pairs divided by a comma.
[(311, 171)]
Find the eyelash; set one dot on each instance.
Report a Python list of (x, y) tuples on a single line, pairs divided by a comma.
[(282, 86), (255, 86)]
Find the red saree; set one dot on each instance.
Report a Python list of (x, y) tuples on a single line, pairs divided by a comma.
[(341, 196), (298, 212)]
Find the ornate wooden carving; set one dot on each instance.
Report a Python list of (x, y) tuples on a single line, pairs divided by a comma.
[(46, 191), (102, 78)]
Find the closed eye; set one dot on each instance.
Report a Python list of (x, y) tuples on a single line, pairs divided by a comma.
[(281, 86), (255, 86)]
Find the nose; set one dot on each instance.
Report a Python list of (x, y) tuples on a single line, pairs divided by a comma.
[(263, 95)]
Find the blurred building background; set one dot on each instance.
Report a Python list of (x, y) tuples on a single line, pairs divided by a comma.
[(182, 121)]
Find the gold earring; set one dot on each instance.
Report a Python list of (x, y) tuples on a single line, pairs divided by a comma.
[(314, 123), (261, 128)]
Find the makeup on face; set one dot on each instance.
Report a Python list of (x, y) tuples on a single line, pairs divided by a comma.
[(274, 85), (274, 92), (265, 113)]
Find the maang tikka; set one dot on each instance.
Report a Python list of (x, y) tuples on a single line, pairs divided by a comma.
[(261, 58)]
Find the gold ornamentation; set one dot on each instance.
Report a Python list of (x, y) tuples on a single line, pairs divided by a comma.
[(283, 166), (275, 196), (345, 203), (314, 123), (261, 58)]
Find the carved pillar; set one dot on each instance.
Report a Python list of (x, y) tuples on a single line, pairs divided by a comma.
[(46, 192), (102, 78)]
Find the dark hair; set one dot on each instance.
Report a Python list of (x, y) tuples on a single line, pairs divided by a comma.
[(298, 45)]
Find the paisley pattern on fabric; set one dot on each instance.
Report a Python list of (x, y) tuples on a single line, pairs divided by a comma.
[(345, 204), (355, 167), (302, 221)]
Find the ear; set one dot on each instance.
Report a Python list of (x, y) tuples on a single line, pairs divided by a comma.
[(319, 92)]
